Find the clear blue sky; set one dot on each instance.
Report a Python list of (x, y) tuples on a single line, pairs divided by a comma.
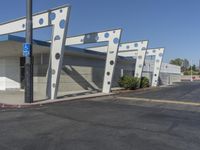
[(173, 24)]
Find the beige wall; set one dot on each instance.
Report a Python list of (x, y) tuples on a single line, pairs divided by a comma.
[(164, 78), (78, 73)]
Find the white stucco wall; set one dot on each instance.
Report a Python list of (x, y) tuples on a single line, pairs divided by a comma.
[(12, 70), (9, 73), (2, 74), (165, 67)]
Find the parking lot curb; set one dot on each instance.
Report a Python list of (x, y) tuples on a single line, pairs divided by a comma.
[(46, 102), (161, 101)]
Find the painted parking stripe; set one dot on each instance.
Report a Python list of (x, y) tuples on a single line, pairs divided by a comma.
[(160, 101)]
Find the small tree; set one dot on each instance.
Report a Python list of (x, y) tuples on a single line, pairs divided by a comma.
[(183, 63), (194, 68), (177, 61)]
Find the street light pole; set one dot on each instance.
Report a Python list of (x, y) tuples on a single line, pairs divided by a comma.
[(191, 72), (28, 54)]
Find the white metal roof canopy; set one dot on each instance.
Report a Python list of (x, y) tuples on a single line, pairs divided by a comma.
[(158, 53), (58, 18), (128, 50), (113, 38), (138, 49)]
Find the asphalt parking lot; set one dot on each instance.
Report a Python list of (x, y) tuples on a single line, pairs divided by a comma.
[(185, 91), (106, 123)]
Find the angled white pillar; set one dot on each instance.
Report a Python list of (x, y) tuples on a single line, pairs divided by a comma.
[(158, 53), (58, 18), (126, 50), (113, 38), (132, 49), (60, 23)]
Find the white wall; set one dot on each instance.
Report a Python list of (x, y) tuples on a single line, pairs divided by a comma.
[(2, 74), (12, 70), (9, 73), (165, 67)]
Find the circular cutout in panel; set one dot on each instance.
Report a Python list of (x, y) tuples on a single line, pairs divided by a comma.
[(157, 60), (97, 38), (127, 47), (155, 75), (41, 21), (108, 73), (54, 85), (57, 56), (139, 57), (57, 37), (161, 54), (109, 83), (136, 44), (81, 40), (114, 31), (62, 24), (144, 48), (116, 41), (53, 71), (111, 62), (52, 16), (154, 51), (140, 66), (106, 35), (23, 26), (61, 11)]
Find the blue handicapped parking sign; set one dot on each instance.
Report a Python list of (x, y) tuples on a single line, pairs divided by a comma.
[(26, 49)]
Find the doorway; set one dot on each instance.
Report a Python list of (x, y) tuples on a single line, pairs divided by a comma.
[(22, 72)]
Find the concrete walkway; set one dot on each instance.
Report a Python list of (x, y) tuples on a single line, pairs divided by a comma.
[(17, 97)]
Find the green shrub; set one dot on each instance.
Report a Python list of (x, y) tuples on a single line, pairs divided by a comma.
[(129, 82), (121, 81), (144, 83)]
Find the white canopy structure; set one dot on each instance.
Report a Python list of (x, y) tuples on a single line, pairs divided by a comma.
[(140, 51)]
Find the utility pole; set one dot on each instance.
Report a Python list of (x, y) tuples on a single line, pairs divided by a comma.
[(199, 65), (191, 72), (27, 52)]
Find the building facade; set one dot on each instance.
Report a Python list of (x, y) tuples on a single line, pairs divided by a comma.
[(81, 70)]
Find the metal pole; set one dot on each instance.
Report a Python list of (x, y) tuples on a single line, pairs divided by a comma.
[(191, 72), (28, 57)]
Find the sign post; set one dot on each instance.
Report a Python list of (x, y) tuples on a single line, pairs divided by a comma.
[(27, 53)]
